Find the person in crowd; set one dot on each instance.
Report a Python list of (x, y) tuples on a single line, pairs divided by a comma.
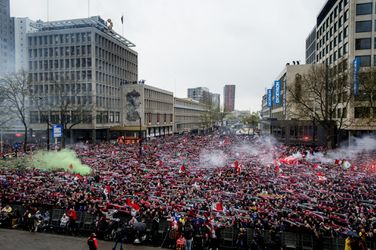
[(92, 242)]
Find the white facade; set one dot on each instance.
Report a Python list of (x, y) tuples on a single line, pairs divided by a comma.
[(22, 26)]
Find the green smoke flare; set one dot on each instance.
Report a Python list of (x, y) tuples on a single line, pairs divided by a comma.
[(64, 159)]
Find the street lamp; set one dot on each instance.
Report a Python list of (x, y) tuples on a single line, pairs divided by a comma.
[(140, 137)]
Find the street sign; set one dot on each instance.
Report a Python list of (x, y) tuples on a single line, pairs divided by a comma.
[(57, 130)]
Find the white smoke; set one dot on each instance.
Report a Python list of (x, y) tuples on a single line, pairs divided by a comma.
[(212, 159), (265, 148), (365, 145)]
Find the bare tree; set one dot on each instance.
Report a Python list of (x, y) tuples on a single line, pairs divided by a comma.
[(322, 95), (15, 91), (365, 100), (60, 107)]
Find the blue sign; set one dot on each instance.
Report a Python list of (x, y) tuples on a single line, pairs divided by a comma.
[(269, 98), (57, 130), (277, 92), (356, 65)]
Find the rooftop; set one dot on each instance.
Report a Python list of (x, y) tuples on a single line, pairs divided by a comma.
[(94, 21)]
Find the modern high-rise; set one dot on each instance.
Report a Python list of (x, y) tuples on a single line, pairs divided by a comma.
[(311, 47), (229, 98), (6, 38), (345, 31), (200, 94), (80, 64), (22, 26), (216, 101)]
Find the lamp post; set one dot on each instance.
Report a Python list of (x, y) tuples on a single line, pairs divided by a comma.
[(140, 137)]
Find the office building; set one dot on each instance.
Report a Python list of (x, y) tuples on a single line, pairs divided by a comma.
[(345, 32), (216, 101), (81, 64), (280, 115), (6, 38), (229, 98), (22, 26), (145, 109), (311, 47), (200, 94), (189, 115)]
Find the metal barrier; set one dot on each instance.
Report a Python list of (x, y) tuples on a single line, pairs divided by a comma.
[(228, 236)]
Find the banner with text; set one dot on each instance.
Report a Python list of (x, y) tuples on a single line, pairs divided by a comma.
[(277, 92), (356, 65), (269, 98)]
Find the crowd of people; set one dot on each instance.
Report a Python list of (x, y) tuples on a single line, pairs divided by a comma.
[(207, 183)]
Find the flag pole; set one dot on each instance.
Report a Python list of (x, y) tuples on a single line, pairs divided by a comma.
[(122, 24)]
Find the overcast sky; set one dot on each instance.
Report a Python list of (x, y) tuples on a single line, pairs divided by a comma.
[(210, 43)]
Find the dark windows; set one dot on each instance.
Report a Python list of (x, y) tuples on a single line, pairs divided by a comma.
[(364, 9), (365, 61), (362, 112), (363, 26), (363, 43)]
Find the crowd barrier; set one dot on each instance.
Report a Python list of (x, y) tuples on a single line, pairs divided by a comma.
[(86, 223)]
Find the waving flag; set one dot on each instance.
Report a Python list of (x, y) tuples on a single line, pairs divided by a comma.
[(217, 206), (133, 204)]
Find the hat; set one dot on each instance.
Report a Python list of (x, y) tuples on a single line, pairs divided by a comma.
[(93, 235)]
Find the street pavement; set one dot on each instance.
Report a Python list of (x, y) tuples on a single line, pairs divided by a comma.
[(24, 240)]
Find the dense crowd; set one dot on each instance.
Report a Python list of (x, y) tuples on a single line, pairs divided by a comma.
[(211, 182)]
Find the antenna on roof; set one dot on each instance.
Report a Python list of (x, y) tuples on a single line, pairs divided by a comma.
[(88, 8)]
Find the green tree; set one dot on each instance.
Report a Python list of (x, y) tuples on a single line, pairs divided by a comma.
[(251, 121)]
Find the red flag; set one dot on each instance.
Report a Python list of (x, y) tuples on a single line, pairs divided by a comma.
[(159, 163), (182, 169), (133, 204), (217, 206)]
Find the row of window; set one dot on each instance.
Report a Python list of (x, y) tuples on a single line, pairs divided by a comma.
[(364, 9), (59, 64), (105, 102), (85, 117), (113, 48), (338, 54), (60, 51), (73, 88), (61, 76), (104, 117), (332, 16), (41, 40), (53, 100), (152, 118)]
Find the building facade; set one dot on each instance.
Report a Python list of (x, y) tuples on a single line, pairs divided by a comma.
[(311, 47), (188, 115), (146, 111), (344, 32), (79, 65), (229, 98), (6, 38), (22, 26), (280, 116), (200, 94), (216, 101)]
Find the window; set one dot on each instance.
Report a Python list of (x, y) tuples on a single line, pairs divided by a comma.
[(363, 26), (362, 112), (34, 117), (363, 43), (365, 61), (364, 9), (346, 32), (345, 48)]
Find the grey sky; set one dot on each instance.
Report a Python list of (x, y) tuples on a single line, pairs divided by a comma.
[(210, 43)]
